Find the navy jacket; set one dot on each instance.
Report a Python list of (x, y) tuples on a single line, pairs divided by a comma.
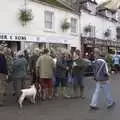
[(61, 71), (100, 70), (3, 64)]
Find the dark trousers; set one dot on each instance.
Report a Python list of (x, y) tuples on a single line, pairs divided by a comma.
[(3, 87), (18, 84)]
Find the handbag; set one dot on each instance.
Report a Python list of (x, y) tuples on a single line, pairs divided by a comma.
[(70, 79)]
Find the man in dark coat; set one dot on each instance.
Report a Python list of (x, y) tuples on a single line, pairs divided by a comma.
[(33, 61), (61, 75), (3, 75)]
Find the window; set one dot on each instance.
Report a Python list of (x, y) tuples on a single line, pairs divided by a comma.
[(73, 25), (49, 20)]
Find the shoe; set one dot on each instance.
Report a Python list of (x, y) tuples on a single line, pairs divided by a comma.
[(56, 95), (93, 108), (82, 97), (74, 97), (13, 94), (112, 105), (67, 96), (1, 105), (50, 98)]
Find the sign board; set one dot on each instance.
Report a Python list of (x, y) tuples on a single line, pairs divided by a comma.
[(32, 38)]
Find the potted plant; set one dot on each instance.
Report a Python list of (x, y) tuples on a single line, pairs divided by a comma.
[(25, 16), (107, 33), (88, 29), (65, 25)]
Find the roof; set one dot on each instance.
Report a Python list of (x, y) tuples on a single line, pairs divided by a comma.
[(84, 1), (59, 3), (110, 4)]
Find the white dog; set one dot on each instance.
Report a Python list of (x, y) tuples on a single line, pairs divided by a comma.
[(29, 92)]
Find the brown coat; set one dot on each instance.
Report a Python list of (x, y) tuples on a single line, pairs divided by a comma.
[(45, 66)]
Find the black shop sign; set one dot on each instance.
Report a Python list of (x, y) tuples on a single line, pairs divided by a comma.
[(12, 37)]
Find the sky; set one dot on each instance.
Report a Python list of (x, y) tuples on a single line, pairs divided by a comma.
[(99, 1)]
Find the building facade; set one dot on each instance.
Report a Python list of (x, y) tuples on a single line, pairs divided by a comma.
[(46, 28), (98, 28)]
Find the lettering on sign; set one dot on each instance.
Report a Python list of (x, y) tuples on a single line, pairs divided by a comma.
[(13, 37)]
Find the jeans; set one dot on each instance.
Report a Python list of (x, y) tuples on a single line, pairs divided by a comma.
[(78, 81), (106, 88)]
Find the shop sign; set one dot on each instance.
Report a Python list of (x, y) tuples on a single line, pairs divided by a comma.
[(8, 37), (32, 38)]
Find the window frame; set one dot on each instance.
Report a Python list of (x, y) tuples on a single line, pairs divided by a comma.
[(74, 26), (51, 13)]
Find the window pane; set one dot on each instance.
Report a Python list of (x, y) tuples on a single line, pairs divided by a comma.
[(73, 25), (48, 25), (48, 19)]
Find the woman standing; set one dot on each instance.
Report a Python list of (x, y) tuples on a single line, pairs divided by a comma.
[(19, 72)]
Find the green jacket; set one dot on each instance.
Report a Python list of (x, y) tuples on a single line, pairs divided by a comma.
[(9, 62), (79, 68), (19, 67)]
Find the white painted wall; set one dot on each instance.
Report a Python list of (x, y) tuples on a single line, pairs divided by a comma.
[(100, 23), (9, 23)]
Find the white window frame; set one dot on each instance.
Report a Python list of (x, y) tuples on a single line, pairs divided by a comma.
[(52, 22), (74, 32)]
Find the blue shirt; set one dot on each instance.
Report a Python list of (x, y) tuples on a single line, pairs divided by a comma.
[(116, 59)]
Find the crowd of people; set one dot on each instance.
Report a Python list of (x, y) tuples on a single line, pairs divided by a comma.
[(59, 74)]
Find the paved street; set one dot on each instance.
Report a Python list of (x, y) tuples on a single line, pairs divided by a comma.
[(73, 109)]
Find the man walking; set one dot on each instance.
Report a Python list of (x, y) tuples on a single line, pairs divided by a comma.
[(101, 76)]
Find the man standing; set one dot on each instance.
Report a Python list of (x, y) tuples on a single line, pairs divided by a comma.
[(101, 76), (3, 75), (45, 70), (61, 75), (79, 66), (33, 61)]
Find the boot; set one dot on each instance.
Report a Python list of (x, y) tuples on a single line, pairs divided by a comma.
[(1, 100), (50, 93), (82, 92), (65, 92), (57, 91), (75, 92), (44, 94)]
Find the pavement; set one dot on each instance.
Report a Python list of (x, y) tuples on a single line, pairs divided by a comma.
[(66, 109)]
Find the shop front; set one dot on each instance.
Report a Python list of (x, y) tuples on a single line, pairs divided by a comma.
[(18, 41), (105, 46)]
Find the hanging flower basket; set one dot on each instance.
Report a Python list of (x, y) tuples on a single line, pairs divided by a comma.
[(88, 28), (25, 16), (65, 25), (107, 33)]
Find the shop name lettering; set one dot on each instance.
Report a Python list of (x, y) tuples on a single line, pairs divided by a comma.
[(9, 37)]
